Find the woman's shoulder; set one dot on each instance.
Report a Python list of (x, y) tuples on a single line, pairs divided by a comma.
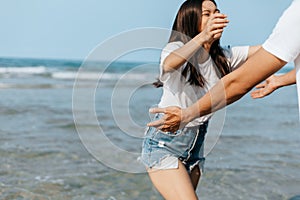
[(236, 55), (170, 47), (234, 51)]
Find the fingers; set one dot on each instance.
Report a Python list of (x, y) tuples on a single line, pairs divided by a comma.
[(219, 15), (260, 93), (262, 85), (214, 32), (257, 94), (219, 18), (218, 26), (217, 23), (217, 33), (169, 121), (157, 124), (157, 110), (214, 26)]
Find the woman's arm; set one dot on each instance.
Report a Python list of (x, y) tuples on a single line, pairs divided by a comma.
[(228, 90), (273, 83), (212, 30)]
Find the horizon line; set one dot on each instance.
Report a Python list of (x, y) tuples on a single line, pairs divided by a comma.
[(73, 59)]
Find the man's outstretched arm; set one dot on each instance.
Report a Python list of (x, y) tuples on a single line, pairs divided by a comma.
[(229, 89)]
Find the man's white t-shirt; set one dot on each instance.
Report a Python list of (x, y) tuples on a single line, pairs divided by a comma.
[(284, 42), (178, 92)]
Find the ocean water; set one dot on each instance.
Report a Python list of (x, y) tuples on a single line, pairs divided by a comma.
[(46, 154)]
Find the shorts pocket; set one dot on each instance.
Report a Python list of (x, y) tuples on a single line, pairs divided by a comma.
[(172, 134)]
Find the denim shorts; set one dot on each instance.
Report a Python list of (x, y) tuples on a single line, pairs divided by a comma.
[(162, 150)]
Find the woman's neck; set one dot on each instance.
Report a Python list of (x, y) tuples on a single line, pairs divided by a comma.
[(203, 54)]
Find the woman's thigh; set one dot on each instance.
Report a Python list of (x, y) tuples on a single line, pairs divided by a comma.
[(195, 176), (173, 184)]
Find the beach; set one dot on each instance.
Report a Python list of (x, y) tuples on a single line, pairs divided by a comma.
[(42, 156)]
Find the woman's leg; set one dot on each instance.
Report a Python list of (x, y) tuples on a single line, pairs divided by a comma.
[(195, 176), (173, 184)]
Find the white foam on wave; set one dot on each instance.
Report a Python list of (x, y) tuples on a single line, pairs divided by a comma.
[(4, 86), (73, 75), (96, 76), (63, 74), (23, 70)]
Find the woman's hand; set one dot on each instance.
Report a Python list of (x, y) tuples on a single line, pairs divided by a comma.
[(214, 27), (173, 119)]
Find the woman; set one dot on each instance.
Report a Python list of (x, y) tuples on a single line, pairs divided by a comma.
[(189, 68), (282, 47)]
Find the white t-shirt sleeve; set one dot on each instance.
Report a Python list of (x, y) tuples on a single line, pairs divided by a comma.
[(170, 47), (284, 42), (237, 56)]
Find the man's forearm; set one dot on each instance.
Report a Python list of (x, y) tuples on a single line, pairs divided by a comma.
[(217, 98), (286, 79), (236, 84)]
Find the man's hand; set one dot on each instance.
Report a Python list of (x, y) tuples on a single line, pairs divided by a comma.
[(265, 88), (172, 120)]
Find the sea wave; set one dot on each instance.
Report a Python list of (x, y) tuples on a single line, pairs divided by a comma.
[(99, 76), (71, 74), (23, 70)]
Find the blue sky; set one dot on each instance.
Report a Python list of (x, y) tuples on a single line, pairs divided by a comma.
[(70, 29)]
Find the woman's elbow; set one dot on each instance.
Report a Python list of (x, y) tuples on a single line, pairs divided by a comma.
[(167, 65)]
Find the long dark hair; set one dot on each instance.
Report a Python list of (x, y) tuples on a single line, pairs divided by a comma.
[(185, 27)]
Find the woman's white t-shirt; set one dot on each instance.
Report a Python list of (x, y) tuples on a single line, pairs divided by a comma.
[(284, 42), (176, 89)]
